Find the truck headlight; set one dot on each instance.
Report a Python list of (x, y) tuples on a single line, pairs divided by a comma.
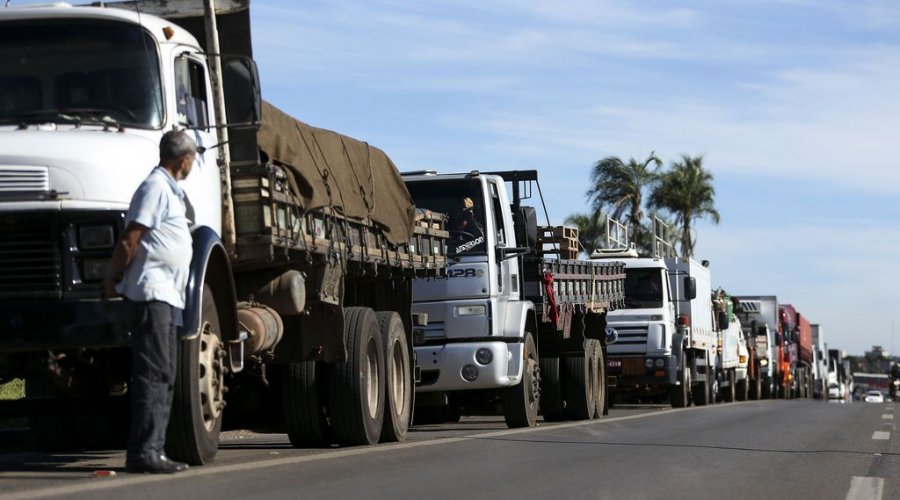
[(648, 363), (470, 372), (484, 356), (660, 363), (91, 237), (470, 310), (95, 269)]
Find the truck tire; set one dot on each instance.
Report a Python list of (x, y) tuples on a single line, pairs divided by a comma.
[(356, 386), (729, 395), (601, 407), (743, 389), (303, 392), (581, 378), (756, 389), (679, 394), (521, 402), (398, 383), (552, 403), (193, 433)]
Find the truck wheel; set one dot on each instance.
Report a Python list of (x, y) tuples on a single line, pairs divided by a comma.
[(552, 406), (756, 389), (356, 387), (679, 395), (193, 434), (581, 397), (397, 378), (743, 389), (521, 402), (302, 393), (599, 361), (729, 394)]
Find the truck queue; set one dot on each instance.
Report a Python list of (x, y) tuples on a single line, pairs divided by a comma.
[(329, 295)]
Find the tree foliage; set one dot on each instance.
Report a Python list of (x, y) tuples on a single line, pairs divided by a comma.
[(620, 188), (591, 229), (686, 191)]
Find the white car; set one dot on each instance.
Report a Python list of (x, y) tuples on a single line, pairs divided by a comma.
[(874, 397)]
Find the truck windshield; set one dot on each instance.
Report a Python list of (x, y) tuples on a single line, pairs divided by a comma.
[(461, 201), (643, 288), (78, 71)]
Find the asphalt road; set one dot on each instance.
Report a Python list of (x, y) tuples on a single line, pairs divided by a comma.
[(765, 449)]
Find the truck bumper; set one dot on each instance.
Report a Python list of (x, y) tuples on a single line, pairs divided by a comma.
[(443, 366), (633, 370), (58, 325)]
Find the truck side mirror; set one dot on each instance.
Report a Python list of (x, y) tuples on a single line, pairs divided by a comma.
[(243, 104), (722, 320), (690, 287)]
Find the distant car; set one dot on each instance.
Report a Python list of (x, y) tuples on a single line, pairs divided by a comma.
[(874, 397)]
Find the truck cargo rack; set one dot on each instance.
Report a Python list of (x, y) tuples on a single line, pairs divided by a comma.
[(563, 241), (272, 226)]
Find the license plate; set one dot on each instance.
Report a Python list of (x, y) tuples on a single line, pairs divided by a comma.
[(614, 363), (633, 366)]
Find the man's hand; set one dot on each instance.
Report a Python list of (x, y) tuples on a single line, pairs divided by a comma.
[(123, 254)]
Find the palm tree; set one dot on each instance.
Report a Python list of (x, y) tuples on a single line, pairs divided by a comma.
[(686, 191), (621, 186), (591, 229)]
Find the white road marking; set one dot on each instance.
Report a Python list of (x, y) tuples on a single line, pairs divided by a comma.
[(865, 488), (887, 416), (881, 435)]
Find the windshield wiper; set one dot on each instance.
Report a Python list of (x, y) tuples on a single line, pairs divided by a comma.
[(91, 116), (37, 117)]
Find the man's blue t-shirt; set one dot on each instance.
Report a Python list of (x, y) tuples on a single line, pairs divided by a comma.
[(159, 270)]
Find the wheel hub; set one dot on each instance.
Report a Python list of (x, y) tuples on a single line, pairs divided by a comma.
[(212, 376)]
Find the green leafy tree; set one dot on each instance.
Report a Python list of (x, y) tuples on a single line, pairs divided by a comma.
[(620, 187), (591, 229), (686, 191)]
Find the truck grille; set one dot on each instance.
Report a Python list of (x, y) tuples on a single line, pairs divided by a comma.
[(30, 260), (16, 179), (631, 340)]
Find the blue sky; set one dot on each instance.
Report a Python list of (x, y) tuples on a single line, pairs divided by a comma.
[(795, 105)]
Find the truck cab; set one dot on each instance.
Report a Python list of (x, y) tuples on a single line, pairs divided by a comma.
[(474, 336), (645, 326)]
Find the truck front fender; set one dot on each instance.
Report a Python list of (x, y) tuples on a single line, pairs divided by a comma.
[(517, 319), (210, 264)]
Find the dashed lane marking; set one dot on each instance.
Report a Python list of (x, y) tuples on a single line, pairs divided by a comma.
[(865, 488), (881, 435), (887, 416)]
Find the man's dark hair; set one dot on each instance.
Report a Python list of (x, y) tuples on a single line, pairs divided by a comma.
[(175, 144)]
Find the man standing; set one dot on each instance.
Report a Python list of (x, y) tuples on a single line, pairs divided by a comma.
[(150, 269)]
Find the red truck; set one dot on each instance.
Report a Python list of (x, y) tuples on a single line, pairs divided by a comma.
[(798, 357)]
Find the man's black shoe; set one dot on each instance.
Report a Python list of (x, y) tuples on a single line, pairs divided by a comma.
[(160, 464)]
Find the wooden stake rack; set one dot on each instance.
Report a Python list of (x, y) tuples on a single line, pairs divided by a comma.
[(559, 240)]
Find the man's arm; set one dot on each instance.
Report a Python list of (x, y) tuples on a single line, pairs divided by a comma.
[(123, 254)]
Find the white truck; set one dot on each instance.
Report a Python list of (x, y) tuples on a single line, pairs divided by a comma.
[(733, 351), (759, 318), (666, 341), (820, 363), (299, 298), (510, 330)]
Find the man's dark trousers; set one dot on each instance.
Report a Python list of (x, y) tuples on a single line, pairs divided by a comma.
[(154, 347)]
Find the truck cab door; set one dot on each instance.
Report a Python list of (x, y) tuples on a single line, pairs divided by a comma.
[(502, 235), (193, 110)]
